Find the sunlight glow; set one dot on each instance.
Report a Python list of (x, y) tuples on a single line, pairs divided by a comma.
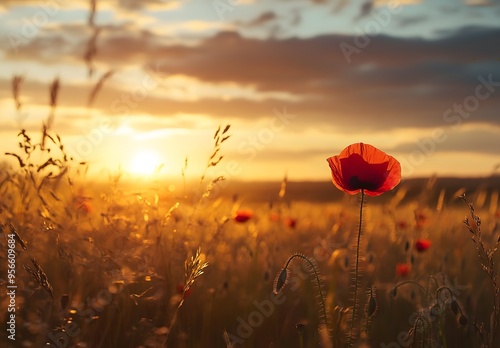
[(144, 163)]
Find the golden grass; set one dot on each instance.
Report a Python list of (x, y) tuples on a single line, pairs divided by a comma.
[(120, 270)]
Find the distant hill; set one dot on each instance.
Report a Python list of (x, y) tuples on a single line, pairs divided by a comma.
[(315, 191)]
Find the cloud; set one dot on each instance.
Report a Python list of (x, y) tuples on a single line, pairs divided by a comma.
[(411, 20), (127, 4), (476, 140), (391, 83), (365, 9), (480, 2), (262, 19)]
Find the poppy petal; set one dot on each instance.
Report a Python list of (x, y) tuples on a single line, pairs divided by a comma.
[(363, 166)]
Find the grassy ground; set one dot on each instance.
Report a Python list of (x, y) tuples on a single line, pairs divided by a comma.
[(116, 265)]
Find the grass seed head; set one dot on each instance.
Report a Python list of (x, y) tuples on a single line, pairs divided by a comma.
[(300, 327)]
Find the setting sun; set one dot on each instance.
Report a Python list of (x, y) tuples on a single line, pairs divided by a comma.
[(144, 163)]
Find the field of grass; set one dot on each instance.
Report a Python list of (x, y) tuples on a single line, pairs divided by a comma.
[(117, 264)]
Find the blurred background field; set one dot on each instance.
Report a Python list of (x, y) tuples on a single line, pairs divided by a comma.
[(114, 254)]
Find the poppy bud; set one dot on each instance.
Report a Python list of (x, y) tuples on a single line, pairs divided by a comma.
[(300, 327), (435, 310), (371, 307), (394, 292), (454, 306), (280, 281), (346, 262)]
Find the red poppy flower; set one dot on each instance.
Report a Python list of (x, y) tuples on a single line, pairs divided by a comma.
[(180, 290), (274, 217), (403, 269), (402, 225), (243, 216), (82, 204), (422, 244), (290, 222), (420, 219), (364, 167), (85, 207)]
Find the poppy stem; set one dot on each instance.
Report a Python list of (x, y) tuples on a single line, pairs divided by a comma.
[(356, 270)]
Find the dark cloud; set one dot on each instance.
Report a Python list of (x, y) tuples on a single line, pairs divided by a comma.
[(390, 83), (410, 21), (474, 141), (365, 9), (139, 4), (126, 4), (477, 141), (64, 43), (262, 19)]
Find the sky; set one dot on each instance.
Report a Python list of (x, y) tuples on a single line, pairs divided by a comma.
[(297, 80)]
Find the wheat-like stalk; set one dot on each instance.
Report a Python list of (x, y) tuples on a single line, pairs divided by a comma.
[(39, 276), (193, 268), (97, 87), (487, 258), (17, 81)]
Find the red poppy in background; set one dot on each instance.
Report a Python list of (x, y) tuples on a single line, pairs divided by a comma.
[(422, 244), (290, 222), (82, 204), (243, 216), (85, 207), (403, 269), (364, 167), (402, 225), (180, 290), (274, 217), (420, 219)]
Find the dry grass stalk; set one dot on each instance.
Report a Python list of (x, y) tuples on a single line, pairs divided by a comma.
[(93, 8), (227, 340), (17, 237), (193, 268), (17, 80), (97, 87), (91, 51), (487, 258), (39, 276), (215, 159)]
